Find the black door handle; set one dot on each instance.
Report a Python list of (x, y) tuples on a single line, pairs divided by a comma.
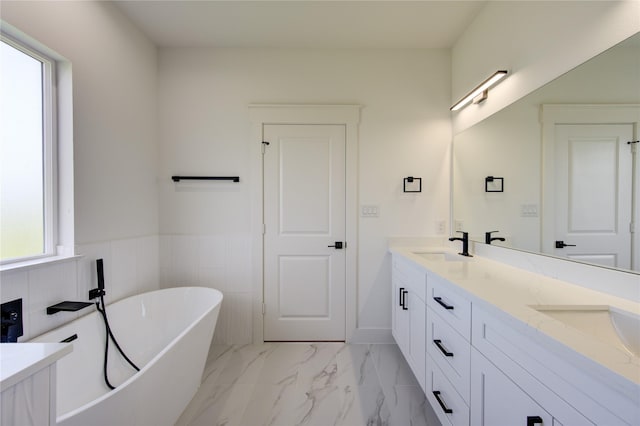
[(401, 301), (404, 300), (534, 420), (561, 244), (337, 245)]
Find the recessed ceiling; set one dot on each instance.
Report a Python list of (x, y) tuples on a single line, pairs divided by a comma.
[(302, 23)]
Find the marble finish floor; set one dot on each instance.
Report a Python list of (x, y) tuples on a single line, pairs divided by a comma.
[(314, 384)]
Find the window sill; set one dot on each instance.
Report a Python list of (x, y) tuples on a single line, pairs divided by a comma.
[(36, 263)]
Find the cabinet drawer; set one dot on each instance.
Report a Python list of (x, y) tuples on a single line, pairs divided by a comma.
[(450, 408), (450, 351), (450, 305), (497, 400), (409, 275), (560, 394)]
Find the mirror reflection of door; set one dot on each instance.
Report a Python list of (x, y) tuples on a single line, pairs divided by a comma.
[(594, 193)]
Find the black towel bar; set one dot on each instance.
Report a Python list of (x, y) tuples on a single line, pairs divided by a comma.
[(179, 178)]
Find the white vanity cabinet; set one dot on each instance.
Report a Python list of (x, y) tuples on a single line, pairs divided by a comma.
[(490, 358), (567, 394), (409, 314)]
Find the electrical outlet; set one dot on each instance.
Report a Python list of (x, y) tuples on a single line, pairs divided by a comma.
[(441, 227), (458, 225)]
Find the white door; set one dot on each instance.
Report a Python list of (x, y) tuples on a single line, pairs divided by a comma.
[(593, 193), (304, 216)]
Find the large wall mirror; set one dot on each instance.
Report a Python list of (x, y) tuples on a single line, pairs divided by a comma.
[(563, 178)]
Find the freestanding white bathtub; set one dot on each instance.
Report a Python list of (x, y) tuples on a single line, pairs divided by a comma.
[(167, 333)]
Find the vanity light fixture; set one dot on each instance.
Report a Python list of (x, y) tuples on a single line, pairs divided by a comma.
[(480, 93)]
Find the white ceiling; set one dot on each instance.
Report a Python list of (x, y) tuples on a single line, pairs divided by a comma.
[(303, 23)]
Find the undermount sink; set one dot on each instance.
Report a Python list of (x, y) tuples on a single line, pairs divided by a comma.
[(607, 324), (443, 256)]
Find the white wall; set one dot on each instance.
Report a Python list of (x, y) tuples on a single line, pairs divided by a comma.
[(115, 156), (205, 129), (536, 41)]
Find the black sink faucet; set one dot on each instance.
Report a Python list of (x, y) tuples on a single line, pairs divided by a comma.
[(465, 243), (488, 238)]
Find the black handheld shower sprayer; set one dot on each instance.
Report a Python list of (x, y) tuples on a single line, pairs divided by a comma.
[(98, 292)]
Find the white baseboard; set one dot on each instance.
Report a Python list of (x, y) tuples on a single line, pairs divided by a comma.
[(371, 335)]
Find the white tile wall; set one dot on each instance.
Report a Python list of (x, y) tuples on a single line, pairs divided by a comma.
[(222, 262), (148, 263), (49, 285), (130, 267)]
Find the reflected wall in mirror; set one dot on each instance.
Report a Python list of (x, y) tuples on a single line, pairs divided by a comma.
[(511, 144)]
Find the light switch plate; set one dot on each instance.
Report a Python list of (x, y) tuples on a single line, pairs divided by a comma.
[(529, 210), (369, 211)]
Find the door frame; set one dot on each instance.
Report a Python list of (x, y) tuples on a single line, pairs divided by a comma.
[(550, 116), (347, 115)]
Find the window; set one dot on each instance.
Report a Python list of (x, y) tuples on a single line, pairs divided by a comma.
[(27, 153)]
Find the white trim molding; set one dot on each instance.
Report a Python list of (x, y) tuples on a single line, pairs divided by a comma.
[(347, 115)]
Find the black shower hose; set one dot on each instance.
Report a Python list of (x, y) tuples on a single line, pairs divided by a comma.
[(109, 334)]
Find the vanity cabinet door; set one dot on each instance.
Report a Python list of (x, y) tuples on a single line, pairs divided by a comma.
[(498, 401), (417, 353), (409, 314)]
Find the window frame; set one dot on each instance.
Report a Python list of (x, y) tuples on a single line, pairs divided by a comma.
[(49, 149)]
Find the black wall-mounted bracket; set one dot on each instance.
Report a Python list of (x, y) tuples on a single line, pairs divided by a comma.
[(496, 183), (409, 184)]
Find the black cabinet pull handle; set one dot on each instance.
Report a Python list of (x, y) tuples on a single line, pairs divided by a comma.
[(534, 420), (401, 300), (404, 301), (441, 303), (442, 348), (442, 404)]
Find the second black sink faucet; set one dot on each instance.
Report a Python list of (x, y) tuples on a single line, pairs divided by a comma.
[(465, 243), (488, 238)]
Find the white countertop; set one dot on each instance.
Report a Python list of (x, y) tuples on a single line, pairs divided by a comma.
[(503, 289), (20, 360)]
